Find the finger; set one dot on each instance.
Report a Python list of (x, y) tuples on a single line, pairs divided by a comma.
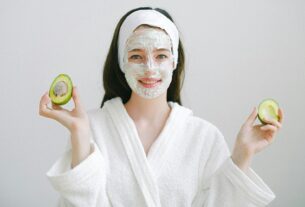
[(54, 114), (251, 119), (44, 110), (273, 122), (269, 127), (259, 125), (281, 115), (59, 108), (76, 98)]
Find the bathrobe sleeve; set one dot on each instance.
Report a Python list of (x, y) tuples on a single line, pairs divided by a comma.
[(83, 185), (224, 184)]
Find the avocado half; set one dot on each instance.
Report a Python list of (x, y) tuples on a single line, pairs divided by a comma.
[(61, 89), (268, 108)]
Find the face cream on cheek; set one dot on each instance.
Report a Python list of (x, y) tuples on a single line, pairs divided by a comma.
[(158, 83), (148, 87)]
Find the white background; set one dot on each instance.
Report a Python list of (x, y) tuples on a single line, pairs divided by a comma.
[(238, 53)]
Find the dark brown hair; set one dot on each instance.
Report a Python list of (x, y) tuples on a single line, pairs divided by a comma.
[(115, 84)]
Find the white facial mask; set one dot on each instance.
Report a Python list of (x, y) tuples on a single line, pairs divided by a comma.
[(150, 65)]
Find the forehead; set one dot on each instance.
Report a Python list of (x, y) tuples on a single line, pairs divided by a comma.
[(148, 37), (144, 27)]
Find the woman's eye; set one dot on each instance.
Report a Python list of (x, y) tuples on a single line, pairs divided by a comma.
[(161, 56), (135, 57)]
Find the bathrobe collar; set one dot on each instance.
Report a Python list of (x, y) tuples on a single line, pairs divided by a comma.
[(147, 168)]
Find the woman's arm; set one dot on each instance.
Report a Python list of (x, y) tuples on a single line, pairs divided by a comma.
[(79, 175), (252, 139), (80, 141), (85, 184), (228, 180)]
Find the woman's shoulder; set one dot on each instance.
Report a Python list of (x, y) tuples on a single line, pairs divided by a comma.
[(204, 132), (198, 121), (97, 114), (202, 126)]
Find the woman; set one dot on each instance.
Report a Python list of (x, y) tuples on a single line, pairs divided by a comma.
[(142, 148)]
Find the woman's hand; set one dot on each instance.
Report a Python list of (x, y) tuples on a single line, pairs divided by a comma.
[(75, 120), (254, 138)]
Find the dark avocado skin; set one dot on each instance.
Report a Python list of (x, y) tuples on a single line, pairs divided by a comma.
[(267, 99), (69, 95), (261, 120)]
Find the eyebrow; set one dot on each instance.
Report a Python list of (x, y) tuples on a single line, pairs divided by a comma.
[(139, 50), (163, 49), (135, 50)]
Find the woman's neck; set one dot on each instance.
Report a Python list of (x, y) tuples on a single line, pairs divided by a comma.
[(150, 110)]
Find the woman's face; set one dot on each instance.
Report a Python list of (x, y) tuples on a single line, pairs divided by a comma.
[(148, 62)]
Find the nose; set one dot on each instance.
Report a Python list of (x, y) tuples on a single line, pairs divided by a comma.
[(149, 73), (150, 63)]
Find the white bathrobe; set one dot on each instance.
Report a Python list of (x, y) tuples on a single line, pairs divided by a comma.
[(189, 164)]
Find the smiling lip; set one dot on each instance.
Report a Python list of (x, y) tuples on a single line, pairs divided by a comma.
[(149, 82)]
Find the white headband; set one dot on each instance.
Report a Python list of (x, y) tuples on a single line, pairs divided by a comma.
[(152, 18)]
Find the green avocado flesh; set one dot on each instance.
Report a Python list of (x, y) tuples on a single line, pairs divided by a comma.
[(61, 89), (268, 109)]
